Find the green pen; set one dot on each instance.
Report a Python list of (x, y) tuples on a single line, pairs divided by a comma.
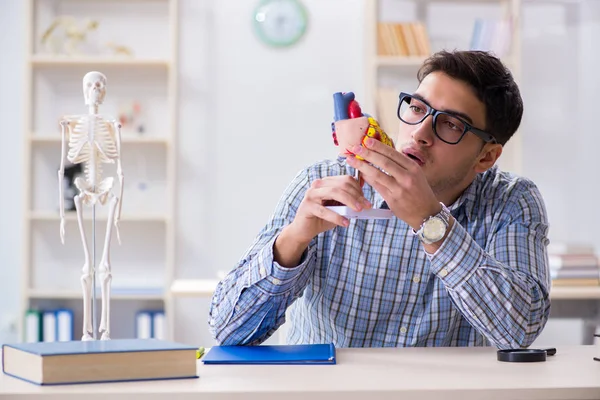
[(199, 352)]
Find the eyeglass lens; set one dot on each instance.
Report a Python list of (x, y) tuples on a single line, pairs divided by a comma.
[(449, 128)]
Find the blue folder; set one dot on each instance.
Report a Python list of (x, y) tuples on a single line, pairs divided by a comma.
[(272, 354)]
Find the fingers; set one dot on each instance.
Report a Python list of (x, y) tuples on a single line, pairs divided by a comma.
[(328, 215), (320, 195), (345, 182), (380, 181), (344, 190), (385, 157)]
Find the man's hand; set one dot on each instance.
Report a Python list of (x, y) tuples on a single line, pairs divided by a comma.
[(313, 217), (404, 188)]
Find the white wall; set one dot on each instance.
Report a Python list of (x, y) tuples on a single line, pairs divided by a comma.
[(256, 115), (560, 95)]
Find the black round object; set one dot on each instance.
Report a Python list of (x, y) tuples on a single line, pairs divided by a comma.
[(524, 355)]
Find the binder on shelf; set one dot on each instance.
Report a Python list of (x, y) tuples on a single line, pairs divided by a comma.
[(272, 354), (143, 324), (64, 324), (33, 326), (50, 328), (159, 330)]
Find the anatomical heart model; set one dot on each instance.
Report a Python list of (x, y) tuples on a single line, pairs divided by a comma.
[(93, 140), (351, 127)]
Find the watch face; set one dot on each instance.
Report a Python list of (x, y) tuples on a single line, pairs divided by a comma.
[(434, 229), (280, 22)]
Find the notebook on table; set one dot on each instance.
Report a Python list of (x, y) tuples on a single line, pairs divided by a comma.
[(272, 354)]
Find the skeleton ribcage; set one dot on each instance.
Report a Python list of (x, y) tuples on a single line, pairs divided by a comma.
[(97, 148)]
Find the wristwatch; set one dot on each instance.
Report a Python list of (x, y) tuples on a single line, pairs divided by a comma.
[(434, 228)]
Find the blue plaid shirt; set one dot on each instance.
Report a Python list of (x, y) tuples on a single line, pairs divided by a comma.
[(372, 284)]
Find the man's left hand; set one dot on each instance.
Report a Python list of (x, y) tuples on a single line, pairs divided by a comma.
[(403, 185)]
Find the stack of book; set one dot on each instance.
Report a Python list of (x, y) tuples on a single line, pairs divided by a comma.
[(574, 265), (407, 39)]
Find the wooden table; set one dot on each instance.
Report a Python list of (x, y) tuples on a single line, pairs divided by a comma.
[(378, 373)]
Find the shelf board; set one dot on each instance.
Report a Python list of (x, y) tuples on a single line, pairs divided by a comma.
[(399, 61), (116, 294), (194, 287), (124, 140), (71, 216), (575, 292), (89, 61)]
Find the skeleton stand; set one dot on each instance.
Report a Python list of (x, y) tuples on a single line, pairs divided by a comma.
[(93, 309)]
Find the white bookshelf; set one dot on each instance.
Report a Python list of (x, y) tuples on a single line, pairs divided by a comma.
[(143, 265), (399, 72)]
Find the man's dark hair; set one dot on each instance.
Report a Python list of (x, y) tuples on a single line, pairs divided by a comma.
[(492, 83)]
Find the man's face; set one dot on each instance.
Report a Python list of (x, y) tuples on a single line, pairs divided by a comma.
[(448, 168)]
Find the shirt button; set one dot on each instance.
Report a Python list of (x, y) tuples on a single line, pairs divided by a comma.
[(262, 271), (443, 272), (403, 330), (276, 281), (416, 279)]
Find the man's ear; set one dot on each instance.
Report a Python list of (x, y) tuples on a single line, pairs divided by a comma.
[(488, 156)]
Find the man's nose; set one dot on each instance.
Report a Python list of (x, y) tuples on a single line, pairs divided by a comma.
[(423, 132)]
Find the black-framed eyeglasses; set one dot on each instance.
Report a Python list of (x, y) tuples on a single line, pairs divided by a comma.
[(449, 128)]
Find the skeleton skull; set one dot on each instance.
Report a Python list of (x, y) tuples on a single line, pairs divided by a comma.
[(94, 88)]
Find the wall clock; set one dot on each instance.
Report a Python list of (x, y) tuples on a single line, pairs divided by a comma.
[(280, 23)]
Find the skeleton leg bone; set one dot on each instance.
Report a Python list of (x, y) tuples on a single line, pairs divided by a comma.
[(104, 270), (86, 273)]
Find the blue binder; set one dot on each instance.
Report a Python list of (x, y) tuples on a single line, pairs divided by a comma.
[(275, 354)]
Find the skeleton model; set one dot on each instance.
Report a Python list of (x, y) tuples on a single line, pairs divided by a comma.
[(66, 34), (93, 140)]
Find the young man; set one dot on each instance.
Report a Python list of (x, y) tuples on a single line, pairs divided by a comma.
[(464, 263)]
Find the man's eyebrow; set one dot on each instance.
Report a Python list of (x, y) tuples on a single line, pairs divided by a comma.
[(457, 113)]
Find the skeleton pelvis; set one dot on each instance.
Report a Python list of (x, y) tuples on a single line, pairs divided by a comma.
[(91, 196)]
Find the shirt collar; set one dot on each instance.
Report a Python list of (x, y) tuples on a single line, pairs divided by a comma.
[(468, 199)]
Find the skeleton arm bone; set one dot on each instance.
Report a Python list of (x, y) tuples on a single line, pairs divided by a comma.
[(117, 127), (61, 173)]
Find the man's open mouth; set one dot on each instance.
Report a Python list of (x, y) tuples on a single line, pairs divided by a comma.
[(414, 156)]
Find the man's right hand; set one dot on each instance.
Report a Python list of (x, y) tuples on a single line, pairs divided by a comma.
[(313, 217)]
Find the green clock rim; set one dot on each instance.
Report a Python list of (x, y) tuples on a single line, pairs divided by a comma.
[(266, 39)]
